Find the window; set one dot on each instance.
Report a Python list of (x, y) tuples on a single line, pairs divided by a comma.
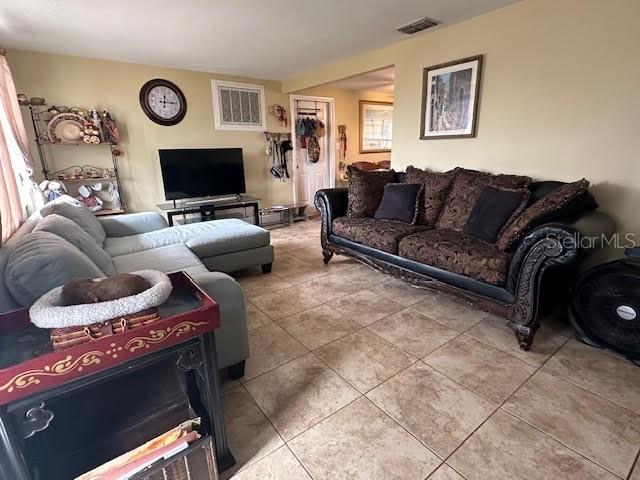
[(238, 106), (376, 125), (17, 192)]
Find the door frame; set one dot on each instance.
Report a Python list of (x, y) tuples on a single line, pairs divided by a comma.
[(331, 141)]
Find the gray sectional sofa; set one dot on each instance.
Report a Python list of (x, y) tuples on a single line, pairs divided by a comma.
[(65, 241)]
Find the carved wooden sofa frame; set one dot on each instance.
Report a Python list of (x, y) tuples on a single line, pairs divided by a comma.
[(546, 258)]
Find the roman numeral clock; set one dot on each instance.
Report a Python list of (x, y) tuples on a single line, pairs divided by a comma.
[(163, 102)]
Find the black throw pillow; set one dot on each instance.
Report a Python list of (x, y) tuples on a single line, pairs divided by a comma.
[(493, 209), (399, 202)]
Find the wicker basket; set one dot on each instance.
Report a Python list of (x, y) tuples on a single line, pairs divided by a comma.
[(70, 337)]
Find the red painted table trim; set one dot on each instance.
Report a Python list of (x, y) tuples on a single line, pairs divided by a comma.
[(57, 368)]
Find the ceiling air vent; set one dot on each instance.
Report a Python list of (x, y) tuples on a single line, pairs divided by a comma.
[(418, 25)]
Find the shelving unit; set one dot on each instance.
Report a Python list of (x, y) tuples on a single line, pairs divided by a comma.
[(85, 174)]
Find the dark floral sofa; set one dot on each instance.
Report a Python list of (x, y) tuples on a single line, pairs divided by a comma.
[(533, 259)]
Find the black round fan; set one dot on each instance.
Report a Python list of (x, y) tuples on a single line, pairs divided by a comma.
[(606, 307)]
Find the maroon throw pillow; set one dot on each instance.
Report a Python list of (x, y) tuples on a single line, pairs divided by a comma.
[(366, 190), (541, 211), (436, 189), (465, 191)]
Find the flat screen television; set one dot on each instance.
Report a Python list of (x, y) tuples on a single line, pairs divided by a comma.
[(202, 172)]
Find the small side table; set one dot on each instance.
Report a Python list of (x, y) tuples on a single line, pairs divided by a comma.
[(288, 213), (64, 413)]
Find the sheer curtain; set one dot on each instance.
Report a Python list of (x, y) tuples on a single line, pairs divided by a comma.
[(15, 163)]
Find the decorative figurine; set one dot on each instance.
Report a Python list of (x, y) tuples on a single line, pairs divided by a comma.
[(89, 199), (96, 122), (279, 112), (111, 133), (115, 195), (52, 189)]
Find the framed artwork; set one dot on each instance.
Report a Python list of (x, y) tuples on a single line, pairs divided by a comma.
[(450, 93), (376, 125), (238, 106)]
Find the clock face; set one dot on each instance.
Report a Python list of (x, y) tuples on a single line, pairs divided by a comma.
[(163, 102)]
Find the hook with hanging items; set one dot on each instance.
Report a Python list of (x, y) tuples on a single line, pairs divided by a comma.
[(278, 144)]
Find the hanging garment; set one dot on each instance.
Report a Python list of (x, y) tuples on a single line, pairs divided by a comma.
[(319, 128), (271, 151), (313, 149), (285, 147), (309, 129), (301, 129)]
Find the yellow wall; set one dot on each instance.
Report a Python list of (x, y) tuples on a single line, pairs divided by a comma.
[(75, 81), (347, 107), (559, 98)]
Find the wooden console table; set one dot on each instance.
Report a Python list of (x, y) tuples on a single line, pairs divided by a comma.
[(64, 413), (207, 208)]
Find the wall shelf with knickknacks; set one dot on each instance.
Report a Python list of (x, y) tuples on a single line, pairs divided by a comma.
[(90, 132)]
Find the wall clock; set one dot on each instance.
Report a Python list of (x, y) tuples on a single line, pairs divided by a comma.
[(163, 102)]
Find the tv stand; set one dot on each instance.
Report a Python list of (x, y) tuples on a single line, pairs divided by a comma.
[(210, 200), (207, 207)]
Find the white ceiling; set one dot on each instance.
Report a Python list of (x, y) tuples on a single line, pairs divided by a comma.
[(260, 38), (381, 80)]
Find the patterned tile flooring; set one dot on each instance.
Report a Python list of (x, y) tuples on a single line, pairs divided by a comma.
[(354, 375)]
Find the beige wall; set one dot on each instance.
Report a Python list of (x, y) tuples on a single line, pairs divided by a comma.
[(559, 98), (74, 81), (347, 105)]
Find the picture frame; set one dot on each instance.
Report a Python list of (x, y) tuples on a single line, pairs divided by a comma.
[(446, 115), (376, 125)]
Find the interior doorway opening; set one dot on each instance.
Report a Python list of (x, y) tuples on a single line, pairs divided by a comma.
[(313, 133), (362, 125)]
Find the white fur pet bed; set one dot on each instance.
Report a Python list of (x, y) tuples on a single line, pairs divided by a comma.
[(48, 311)]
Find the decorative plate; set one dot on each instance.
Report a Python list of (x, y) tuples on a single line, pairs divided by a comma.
[(66, 128)]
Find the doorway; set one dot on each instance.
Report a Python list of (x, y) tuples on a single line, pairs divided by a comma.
[(308, 176)]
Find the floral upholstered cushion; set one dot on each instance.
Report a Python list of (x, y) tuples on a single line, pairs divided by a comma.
[(436, 189), (548, 207), (465, 191), (375, 233), (366, 190), (458, 253)]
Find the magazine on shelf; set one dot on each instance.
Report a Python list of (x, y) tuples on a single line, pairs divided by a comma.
[(158, 449)]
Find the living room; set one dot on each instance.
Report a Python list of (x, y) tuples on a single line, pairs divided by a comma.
[(416, 260)]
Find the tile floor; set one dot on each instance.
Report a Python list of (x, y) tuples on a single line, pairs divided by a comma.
[(354, 375)]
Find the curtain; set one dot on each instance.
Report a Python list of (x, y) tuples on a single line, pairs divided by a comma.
[(15, 163)]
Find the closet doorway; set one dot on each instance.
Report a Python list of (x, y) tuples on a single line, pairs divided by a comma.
[(310, 175)]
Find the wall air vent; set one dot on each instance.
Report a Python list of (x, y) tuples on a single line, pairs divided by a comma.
[(418, 25)]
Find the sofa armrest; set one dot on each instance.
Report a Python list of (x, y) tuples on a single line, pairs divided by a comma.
[(556, 246), (132, 223), (232, 341), (583, 236), (331, 203)]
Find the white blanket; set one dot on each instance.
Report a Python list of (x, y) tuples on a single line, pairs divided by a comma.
[(48, 311)]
